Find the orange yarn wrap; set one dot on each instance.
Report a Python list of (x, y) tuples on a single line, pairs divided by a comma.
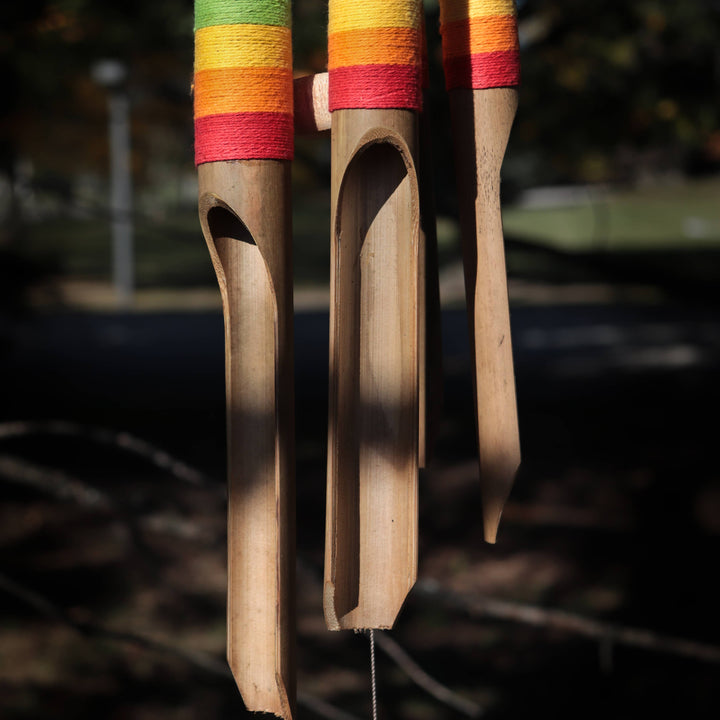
[(374, 54), (480, 43)]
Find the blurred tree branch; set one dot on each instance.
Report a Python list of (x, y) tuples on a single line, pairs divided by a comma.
[(551, 619)]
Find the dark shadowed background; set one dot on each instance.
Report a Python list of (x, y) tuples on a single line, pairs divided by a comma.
[(112, 444)]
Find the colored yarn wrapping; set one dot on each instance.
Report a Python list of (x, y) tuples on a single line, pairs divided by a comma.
[(243, 93), (480, 43), (374, 54)]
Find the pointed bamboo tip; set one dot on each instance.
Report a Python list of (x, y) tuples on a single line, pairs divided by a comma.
[(496, 485), (491, 522)]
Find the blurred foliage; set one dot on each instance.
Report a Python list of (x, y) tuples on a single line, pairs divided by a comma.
[(613, 89), (55, 113)]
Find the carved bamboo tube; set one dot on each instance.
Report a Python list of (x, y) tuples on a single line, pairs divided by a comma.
[(244, 144), (374, 95), (481, 60)]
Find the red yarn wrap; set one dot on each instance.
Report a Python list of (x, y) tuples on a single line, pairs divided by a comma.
[(251, 136), (483, 70), (376, 86)]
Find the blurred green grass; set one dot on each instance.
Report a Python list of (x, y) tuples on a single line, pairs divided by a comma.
[(657, 218), (170, 250)]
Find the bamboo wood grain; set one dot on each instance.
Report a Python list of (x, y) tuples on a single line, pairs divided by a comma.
[(371, 532), (481, 122), (245, 216)]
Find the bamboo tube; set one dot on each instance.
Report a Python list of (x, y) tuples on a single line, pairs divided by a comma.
[(371, 531), (371, 547), (245, 215), (480, 53), (481, 121), (243, 146), (312, 116)]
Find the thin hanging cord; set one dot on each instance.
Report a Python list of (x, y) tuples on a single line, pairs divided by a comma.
[(373, 677)]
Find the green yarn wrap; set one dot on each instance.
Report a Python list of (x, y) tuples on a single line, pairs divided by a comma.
[(242, 12)]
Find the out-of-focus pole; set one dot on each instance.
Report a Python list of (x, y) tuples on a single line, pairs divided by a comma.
[(111, 74)]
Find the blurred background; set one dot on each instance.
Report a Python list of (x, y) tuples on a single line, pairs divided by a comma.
[(112, 444)]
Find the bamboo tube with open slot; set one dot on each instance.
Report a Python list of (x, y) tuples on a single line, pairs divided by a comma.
[(243, 97), (481, 60), (374, 97)]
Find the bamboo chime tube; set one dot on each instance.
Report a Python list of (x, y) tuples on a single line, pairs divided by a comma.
[(243, 97), (374, 98), (481, 61)]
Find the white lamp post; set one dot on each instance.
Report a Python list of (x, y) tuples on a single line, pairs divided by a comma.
[(111, 74)]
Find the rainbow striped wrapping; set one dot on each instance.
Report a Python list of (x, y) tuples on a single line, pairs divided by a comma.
[(480, 43), (374, 54), (243, 90)]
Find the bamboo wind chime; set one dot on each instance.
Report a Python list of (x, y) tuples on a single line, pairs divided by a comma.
[(482, 68), (384, 308), (244, 144), (374, 61)]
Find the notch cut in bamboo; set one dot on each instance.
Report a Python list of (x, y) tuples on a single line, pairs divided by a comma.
[(245, 216), (481, 123), (371, 541)]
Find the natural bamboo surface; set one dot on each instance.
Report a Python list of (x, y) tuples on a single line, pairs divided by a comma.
[(371, 541), (245, 216), (481, 122)]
